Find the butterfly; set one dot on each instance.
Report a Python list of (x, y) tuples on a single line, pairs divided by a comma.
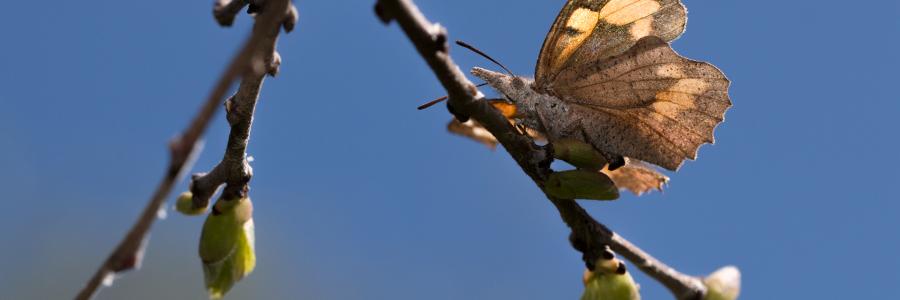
[(607, 76)]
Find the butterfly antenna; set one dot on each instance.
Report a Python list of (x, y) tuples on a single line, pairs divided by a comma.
[(439, 100), (470, 47)]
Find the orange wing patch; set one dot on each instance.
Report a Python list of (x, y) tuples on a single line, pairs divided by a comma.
[(637, 177), (624, 12), (507, 109)]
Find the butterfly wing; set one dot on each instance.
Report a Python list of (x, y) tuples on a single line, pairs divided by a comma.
[(592, 30), (648, 103)]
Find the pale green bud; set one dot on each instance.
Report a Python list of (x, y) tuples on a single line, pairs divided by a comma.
[(723, 284), (227, 245), (608, 282), (578, 154), (581, 184), (185, 205)]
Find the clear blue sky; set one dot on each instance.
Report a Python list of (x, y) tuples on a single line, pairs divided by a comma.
[(360, 196)]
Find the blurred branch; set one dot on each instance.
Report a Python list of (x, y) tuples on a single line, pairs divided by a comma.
[(588, 236), (249, 62)]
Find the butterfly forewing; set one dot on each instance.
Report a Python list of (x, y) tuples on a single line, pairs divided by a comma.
[(591, 30), (648, 103)]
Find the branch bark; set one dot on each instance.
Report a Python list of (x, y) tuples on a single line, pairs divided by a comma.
[(588, 236), (249, 61)]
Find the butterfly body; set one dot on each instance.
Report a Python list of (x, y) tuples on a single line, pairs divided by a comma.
[(534, 109), (540, 111), (607, 76)]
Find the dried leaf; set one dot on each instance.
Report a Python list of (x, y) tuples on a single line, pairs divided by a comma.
[(637, 177), (473, 130)]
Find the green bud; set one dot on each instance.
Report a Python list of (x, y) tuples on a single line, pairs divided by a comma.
[(227, 245), (723, 284), (604, 284), (581, 184), (579, 154), (185, 205)]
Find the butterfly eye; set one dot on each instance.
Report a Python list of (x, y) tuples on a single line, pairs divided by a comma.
[(518, 83)]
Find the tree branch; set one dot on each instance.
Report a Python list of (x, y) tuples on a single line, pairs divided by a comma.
[(588, 236), (128, 254)]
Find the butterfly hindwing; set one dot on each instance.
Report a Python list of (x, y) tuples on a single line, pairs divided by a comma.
[(591, 30), (648, 103)]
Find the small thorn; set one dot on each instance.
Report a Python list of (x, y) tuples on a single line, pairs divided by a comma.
[(607, 254), (290, 21), (253, 8), (382, 14), (274, 64), (440, 38), (621, 270)]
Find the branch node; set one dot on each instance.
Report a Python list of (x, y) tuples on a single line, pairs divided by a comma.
[(230, 114), (274, 64), (225, 11), (254, 7), (290, 21), (382, 14), (439, 34)]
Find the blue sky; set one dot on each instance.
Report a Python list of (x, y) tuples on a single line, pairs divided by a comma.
[(360, 196)]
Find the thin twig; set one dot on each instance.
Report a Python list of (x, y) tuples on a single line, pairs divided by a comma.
[(234, 170), (588, 236), (127, 255)]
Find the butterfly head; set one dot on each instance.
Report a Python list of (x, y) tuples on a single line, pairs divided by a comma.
[(515, 88), (519, 91)]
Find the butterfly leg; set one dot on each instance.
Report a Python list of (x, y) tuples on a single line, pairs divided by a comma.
[(615, 161)]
